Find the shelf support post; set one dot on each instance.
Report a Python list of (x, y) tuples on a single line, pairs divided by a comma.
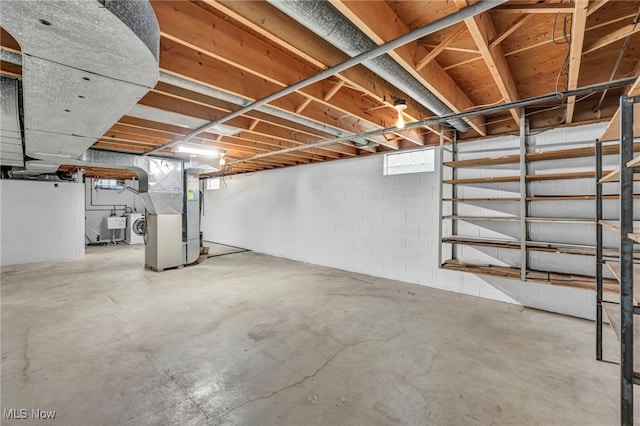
[(454, 192), (440, 191), (626, 260), (599, 260), (524, 235)]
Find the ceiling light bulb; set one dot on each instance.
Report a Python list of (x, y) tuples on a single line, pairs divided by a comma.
[(400, 105), (400, 122), (222, 161)]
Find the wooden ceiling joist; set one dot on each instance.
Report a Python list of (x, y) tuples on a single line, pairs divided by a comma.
[(226, 40), (538, 8), (365, 15), (286, 33), (611, 38), (578, 24), (482, 30), (520, 21), (438, 49)]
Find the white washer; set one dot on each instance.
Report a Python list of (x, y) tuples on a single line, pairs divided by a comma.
[(131, 237)]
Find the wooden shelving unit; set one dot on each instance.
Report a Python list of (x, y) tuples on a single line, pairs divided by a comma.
[(522, 201)]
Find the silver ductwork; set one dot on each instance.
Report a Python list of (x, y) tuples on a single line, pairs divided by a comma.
[(160, 179), (85, 64), (11, 153), (327, 22)]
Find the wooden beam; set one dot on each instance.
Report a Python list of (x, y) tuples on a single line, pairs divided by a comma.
[(303, 105), (242, 141), (482, 30), (185, 24), (534, 45), (595, 5), (254, 124), (520, 21), (439, 48), (366, 16), (334, 90), (578, 24), (537, 9), (612, 132), (611, 37), (287, 34)]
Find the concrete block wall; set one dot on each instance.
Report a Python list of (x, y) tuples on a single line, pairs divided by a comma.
[(347, 215), (40, 221)]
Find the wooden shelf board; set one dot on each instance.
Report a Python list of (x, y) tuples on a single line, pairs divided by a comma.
[(484, 218), (634, 236), (552, 278), (557, 176), (634, 163), (462, 200), (541, 198), (614, 176), (614, 225), (496, 179), (560, 248), (614, 267), (532, 178), (560, 154), (560, 220)]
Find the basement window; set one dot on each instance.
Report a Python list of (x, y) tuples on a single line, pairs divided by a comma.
[(422, 160), (111, 184), (212, 184)]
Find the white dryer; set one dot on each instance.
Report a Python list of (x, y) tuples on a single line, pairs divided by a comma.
[(135, 228)]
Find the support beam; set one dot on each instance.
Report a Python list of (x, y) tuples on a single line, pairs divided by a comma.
[(366, 16), (184, 26), (611, 37), (595, 6), (578, 24), (438, 49), (520, 21), (540, 8), (290, 36), (482, 30), (334, 90)]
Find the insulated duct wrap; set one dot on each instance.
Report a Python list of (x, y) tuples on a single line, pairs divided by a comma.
[(85, 64), (327, 22), (160, 179)]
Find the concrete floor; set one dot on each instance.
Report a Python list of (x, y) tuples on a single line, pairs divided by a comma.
[(250, 339)]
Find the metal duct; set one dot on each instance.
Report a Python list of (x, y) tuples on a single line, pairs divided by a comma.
[(160, 179), (85, 64), (10, 133), (327, 22)]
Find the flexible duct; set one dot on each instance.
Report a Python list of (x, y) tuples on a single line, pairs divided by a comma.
[(327, 22)]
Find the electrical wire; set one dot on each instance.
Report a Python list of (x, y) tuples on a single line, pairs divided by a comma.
[(618, 61)]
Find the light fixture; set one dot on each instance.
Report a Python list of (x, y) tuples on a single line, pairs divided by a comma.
[(197, 151), (400, 105), (222, 160)]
